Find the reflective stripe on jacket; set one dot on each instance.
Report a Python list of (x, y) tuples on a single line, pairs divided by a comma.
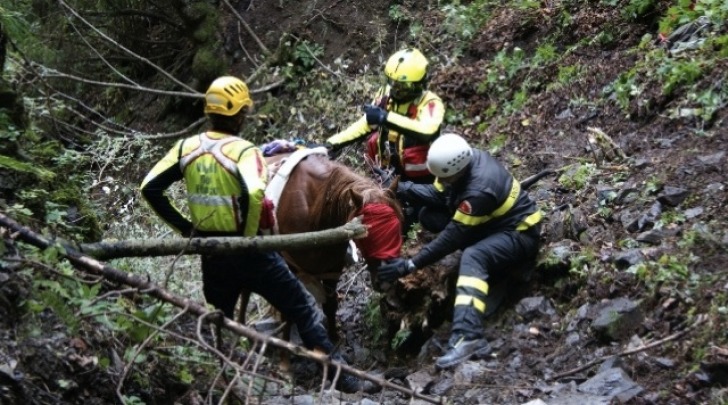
[(486, 200)]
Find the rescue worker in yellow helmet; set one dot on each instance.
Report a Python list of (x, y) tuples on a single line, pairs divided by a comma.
[(477, 206), (225, 177), (402, 121)]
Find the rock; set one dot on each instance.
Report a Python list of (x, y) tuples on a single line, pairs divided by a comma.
[(442, 387), (617, 319), (653, 237), (641, 163), (646, 220), (717, 372), (610, 363), (673, 196), (613, 383), (628, 258), (467, 372), (693, 212), (533, 307), (419, 381), (715, 188), (711, 160), (627, 195), (572, 339), (664, 362)]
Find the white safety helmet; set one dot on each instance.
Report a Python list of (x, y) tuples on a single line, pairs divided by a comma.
[(448, 155)]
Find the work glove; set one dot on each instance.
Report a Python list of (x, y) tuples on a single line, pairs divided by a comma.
[(375, 115), (394, 269), (332, 150)]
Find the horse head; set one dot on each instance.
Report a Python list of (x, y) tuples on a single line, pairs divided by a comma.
[(382, 214)]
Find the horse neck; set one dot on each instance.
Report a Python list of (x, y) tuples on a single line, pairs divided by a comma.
[(337, 207)]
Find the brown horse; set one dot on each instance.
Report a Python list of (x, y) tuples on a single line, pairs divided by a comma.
[(322, 194)]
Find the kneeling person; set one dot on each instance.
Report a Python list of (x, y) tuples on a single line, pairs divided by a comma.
[(482, 211)]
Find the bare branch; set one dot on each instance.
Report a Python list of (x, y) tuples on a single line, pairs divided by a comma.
[(52, 73), (130, 52)]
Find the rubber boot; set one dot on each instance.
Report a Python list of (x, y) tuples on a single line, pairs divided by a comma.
[(462, 348), (466, 339)]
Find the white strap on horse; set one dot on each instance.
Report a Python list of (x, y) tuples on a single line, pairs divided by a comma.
[(278, 182)]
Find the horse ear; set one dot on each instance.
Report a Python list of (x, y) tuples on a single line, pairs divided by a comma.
[(357, 199)]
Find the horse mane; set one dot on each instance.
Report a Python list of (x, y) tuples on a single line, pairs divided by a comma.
[(336, 206)]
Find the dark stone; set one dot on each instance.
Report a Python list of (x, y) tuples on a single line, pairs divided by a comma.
[(673, 196), (653, 237), (617, 319), (628, 258)]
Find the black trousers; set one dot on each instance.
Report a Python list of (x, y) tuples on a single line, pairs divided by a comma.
[(499, 256), (266, 274)]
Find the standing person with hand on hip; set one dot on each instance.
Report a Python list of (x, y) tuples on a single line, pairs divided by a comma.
[(477, 206), (225, 177)]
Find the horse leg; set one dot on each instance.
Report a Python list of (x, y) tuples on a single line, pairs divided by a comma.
[(243, 305), (330, 306)]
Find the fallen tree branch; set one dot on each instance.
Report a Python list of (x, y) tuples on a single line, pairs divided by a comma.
[(642, 348), (164, 247), (91, 265)]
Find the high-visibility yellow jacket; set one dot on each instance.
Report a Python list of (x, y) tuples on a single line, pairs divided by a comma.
[(225, 178), (409, 130)]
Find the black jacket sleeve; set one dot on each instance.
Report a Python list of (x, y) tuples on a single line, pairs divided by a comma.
[(154, 192)]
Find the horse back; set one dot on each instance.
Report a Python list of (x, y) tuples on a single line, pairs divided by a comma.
[(299, 211)]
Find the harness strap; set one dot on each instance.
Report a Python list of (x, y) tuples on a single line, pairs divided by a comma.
[(278, 180), (214, 148)]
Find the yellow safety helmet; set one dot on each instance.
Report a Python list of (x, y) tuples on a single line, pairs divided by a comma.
[(406, 66), (406, 73), (226, 96)]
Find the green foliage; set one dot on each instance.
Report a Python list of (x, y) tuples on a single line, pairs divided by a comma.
[(675, 73), (685, 11), (545, 53), (207, 64), (305, 54), (580, 264), (398, 13), (625, 88), (11, 164), (578, 176), (376, 325), (565, 76), (14, 22), (298, 59), (721, 44), (637, 9), (463, 21), (400, 337), (667, 269)]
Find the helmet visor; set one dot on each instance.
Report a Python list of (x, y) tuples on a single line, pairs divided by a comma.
[(404, 91)]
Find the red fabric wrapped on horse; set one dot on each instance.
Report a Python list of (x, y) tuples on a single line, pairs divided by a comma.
[(322, 194)]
